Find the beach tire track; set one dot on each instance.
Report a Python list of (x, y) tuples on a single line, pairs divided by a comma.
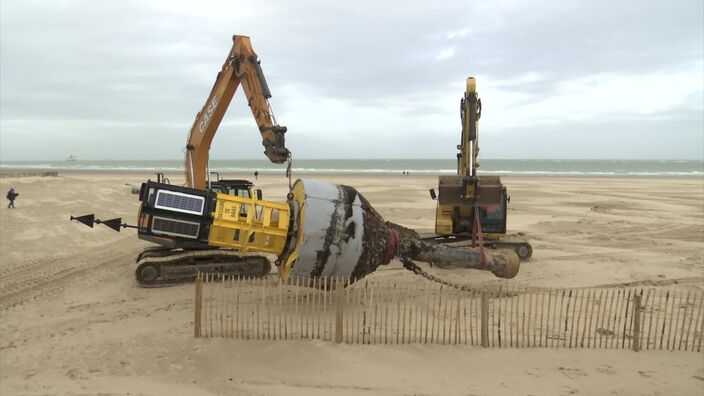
[(43, 277), (580, 257)]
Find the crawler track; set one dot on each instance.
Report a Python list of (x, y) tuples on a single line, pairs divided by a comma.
[(164, 267), (522, 248)]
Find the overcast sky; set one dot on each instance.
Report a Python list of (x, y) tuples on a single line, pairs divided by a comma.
[(363, 79)]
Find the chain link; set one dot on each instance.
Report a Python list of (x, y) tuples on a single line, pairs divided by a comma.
[(413, 267), (289, 172)]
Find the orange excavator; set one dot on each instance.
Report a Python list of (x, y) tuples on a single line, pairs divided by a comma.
[(179, 259)]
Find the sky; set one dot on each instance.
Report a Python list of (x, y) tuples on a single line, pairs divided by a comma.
[(578, 79)]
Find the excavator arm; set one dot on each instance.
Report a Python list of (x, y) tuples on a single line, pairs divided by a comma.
[(470, 112), (240, 68)]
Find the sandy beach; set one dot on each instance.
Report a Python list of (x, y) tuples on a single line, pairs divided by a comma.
[(74, 321)]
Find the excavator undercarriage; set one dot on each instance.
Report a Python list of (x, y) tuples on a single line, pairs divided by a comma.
[(164, 267)]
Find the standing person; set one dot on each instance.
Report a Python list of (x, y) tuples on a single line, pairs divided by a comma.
[(11, 195), (256, 175)]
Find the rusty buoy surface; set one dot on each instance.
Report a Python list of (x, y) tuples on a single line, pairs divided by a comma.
[(339, 234)]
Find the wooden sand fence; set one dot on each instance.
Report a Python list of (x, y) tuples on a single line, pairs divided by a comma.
[(507, 316)]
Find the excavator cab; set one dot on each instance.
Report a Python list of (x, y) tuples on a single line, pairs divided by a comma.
[(236, 187)]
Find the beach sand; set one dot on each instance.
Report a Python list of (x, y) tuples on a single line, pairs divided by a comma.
[(74, 321)]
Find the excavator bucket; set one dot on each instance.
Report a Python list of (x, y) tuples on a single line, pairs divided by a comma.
[(88, 220)]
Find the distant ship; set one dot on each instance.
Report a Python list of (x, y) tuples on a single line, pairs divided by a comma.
[(71, 158)]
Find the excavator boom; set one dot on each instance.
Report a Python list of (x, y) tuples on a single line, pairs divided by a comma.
[(241, 67)]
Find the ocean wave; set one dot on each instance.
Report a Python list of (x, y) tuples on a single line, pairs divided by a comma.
[(378, 167)]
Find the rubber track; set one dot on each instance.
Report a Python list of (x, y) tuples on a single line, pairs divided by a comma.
[(220, 258)]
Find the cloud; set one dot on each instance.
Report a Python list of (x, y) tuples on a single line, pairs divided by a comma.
[(347, 71), (604, 96), (445, 54)]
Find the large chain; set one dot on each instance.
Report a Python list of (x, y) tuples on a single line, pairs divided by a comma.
[(289, 172), (413, 267)]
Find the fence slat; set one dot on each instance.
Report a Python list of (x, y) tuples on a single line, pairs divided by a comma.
[(673, 318), (198, 304), (529, 314), (701, 325), (572, 317), (339, 294), (601, 315), (485, 319), (664, 319), (417, 330), (618, 313), (636, 322), (684, 320), (696, 321), (457, 321), (625, 318), (548, 324), (500, 301), (644, 332), (554, 317), (656, 314)]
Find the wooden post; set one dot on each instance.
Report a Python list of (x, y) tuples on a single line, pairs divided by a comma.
[(636, 322), (199, 305), (485, 319), (339, 292)]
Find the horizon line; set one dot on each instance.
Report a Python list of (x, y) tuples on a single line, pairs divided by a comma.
[(364, 159)]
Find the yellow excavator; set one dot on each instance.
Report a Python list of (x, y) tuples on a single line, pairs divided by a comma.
[(179, 259), (469, 205), (180, 255)]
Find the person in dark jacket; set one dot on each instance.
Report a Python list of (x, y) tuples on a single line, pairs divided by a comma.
[(11, 195)]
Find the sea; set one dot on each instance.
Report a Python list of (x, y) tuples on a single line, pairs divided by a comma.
[(506, 167)]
